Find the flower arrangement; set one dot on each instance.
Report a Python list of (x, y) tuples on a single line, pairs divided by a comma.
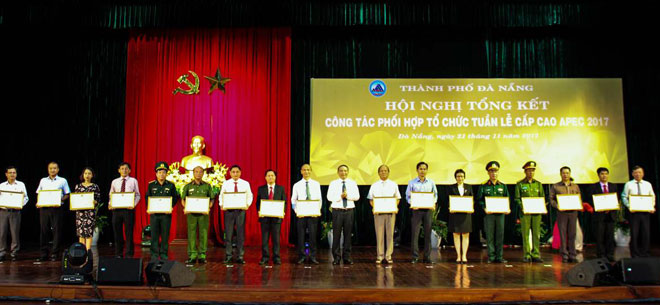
[(180, 177)]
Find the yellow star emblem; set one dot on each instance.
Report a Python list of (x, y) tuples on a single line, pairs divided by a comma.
[(217, 81)]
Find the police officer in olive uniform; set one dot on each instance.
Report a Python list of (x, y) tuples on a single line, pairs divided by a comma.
[(493, 223), (529, 187), (160, 222), (197, 221)]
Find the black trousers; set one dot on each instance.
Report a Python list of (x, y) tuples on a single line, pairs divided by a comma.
[(10, 224), (123, 221), (342, 220), (567, 223), (311, 224), (418, 217), (640, 231), (604, 233), (51, 222), (270, 230), (234, 217)]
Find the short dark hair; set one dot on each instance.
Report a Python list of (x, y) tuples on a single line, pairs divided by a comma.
[(458, 171), (563, 168), (53, 162), (636, 167), (125, 163), (422, 163), (270, 170), (388, 168), (304, 165), (82, 179), (9, 167), (602, 169), (235, 166), (343, 165)]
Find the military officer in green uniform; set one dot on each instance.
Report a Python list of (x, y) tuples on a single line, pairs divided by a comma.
[(197, 221), (493, 223), (160, 222), (529, 187)]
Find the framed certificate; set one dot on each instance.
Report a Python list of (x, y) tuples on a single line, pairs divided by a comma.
[(497, 205), (234, 201), (422, 200), (308, 208), (49, 198), (197, 205), (461, 204), (569, 202), (534, 205), (81, 201), (606, 202), (11, 200), (385, 205), (159, 205), (272, 208), (641, 203), (122, 200)]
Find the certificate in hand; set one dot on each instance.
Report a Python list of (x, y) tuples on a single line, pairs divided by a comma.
[(497, 205), (11, 200), (422, 200), (159, 205), (534, 205), (81, 201), (308, 208), (569, 202), (461, 204), (272, 208), (197, 205), (49, 198), (606, 202), (385, 205), (234, 201), (641, 203), (120, 200)]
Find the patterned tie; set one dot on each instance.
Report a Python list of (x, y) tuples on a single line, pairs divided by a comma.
[(343, 190), (235, 187), (270, 193), (605, 190), (309, 196), (123, 185)]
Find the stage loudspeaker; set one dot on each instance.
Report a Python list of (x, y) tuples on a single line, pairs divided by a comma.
[(169, 274), (641, 270), (588, 273), (119, 271)]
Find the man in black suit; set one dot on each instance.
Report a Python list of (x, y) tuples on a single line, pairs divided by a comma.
[(270, 226), (603, 222)]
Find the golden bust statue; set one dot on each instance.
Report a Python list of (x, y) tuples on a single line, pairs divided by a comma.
[(197, 158)]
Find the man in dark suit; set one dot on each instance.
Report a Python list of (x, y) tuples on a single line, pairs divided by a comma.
[(603, 222), (270, 226)]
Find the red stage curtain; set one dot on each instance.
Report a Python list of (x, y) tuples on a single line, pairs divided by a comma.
[(248, 125)]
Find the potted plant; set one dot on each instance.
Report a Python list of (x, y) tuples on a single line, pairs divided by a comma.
[(438, 233), (621, 229), (101, 221)]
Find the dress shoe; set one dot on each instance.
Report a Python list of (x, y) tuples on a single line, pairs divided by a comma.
[(427, 261), (572, 260), (301, 261), (53, 258), (191, 261), (42, 259), (263, 261), (201, 260), (336, 261), (278, 261), (348, 262), (240, 261), (415, 260), (537, 260), (490, 261), (502, 261), (2, 258), (389, 261), (314, 261), (14, 258), (379, 261), (527, 260), (228, 260), (564, 260)]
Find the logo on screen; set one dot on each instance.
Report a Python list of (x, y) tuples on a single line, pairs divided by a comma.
[(377, 88)]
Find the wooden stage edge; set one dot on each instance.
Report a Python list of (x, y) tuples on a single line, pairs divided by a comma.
[(373, 295)]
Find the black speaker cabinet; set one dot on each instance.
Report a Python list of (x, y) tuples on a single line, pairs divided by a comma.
[(641, 270), (588, 273), (169, 274), (119, 271)]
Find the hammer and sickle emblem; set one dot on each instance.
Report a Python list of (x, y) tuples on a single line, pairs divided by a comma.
[(192, 88)]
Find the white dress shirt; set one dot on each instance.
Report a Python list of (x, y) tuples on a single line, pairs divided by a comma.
[(335, 190), (58, 183), (17, 187), (630, 188), (243, 186), (387, 188), (131, 186), (299, 191)]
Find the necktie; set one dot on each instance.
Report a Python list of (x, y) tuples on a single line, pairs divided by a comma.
[(605, 190), (270, 193), (343, 189), (309, 196), (123, 185), (235, 187), (639, 189)]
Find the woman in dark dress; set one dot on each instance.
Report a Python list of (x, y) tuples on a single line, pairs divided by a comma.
[(85, 219), (460, 223)]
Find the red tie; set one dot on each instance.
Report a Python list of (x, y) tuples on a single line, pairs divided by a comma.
[(235, 187), (605, 190), (123, 185), (270, 193)]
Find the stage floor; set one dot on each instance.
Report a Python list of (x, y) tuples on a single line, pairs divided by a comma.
[(365, 281)]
